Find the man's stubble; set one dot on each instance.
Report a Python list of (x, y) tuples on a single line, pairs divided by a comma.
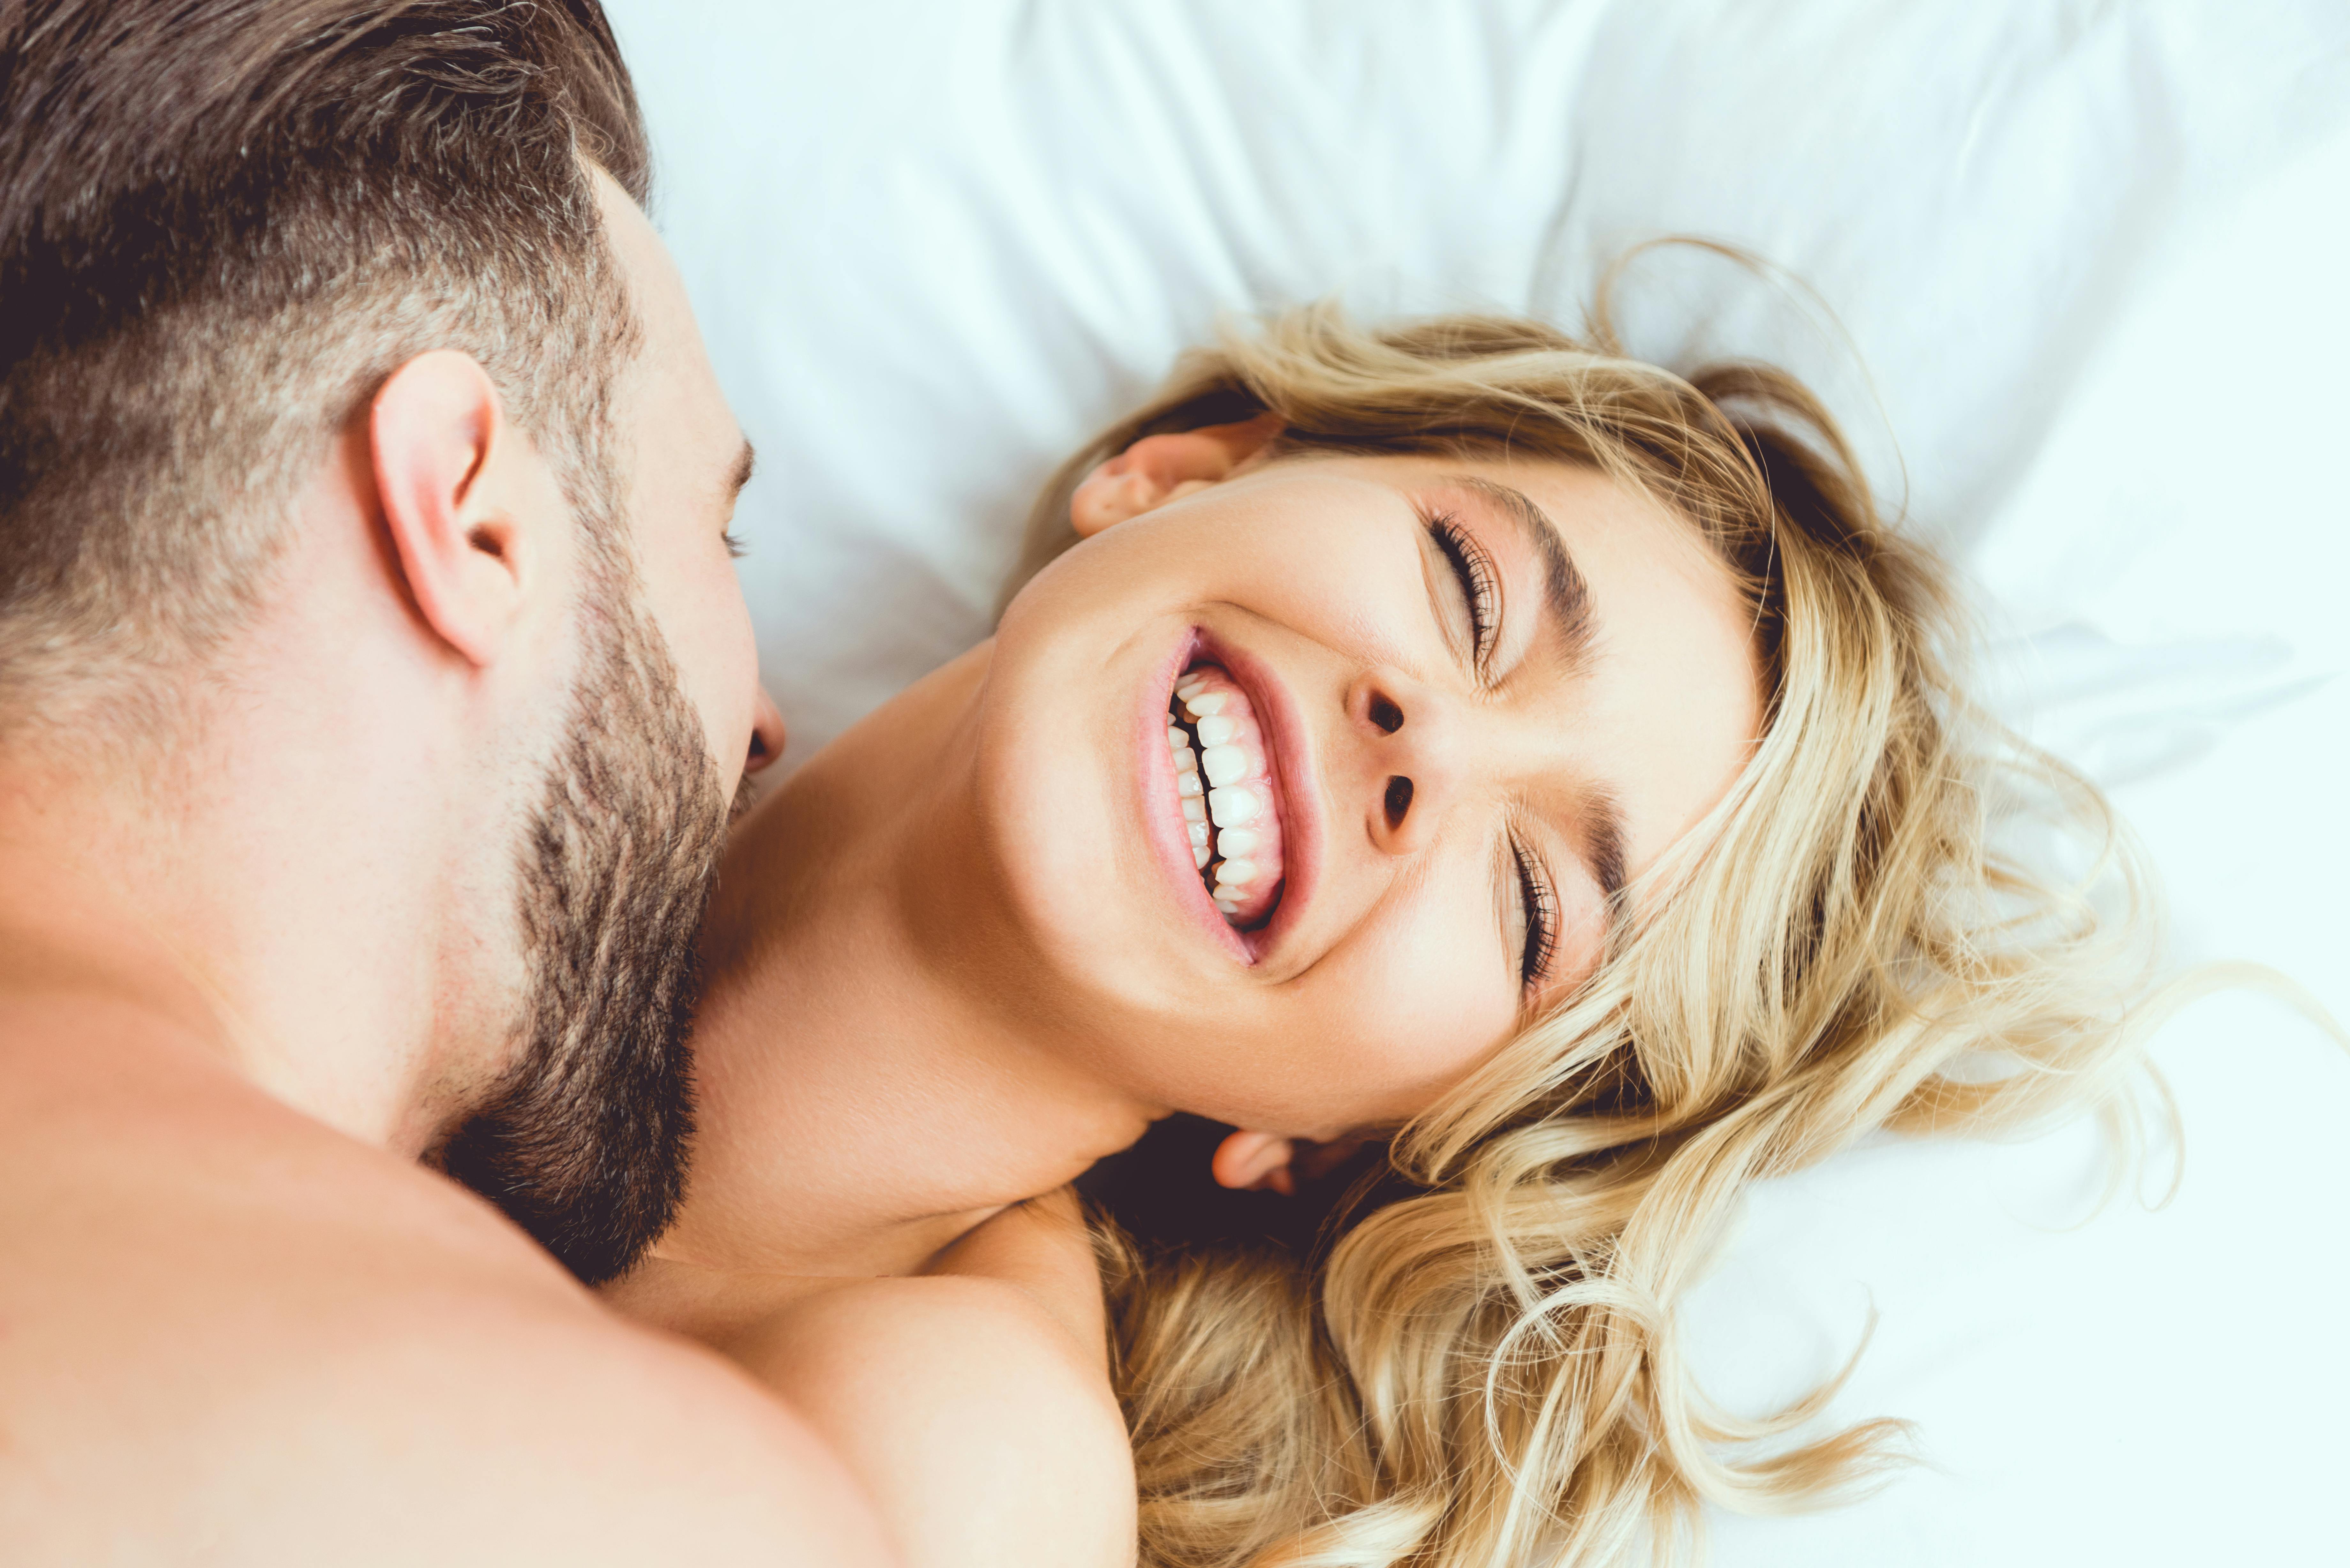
[(585, 1143)]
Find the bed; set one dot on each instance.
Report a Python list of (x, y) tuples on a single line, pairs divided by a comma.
[(2071, 271)]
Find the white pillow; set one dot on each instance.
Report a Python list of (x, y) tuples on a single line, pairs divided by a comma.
[(934, 246)]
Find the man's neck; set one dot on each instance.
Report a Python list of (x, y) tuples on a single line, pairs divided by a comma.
[(206, 890)]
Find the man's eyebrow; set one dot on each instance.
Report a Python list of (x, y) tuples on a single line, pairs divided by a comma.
[(1566, 595), (740, 474)]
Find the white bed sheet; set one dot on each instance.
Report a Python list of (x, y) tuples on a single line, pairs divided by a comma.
[(2088, 254)]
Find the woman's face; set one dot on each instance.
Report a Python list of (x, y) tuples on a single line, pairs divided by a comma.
[(1467, 699)]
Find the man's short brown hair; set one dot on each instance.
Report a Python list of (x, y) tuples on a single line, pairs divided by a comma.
[(223, 224)]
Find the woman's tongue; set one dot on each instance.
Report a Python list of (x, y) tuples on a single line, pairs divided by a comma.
[(1225, 785)]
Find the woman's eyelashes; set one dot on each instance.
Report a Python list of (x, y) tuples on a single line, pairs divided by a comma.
[(1538, 918), (1479, 584), (735, 547)]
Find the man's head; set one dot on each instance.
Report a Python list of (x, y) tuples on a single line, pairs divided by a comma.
[(272, 267)]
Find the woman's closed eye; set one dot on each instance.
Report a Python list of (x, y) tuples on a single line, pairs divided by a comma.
[(1478, 583), (1536, 919)]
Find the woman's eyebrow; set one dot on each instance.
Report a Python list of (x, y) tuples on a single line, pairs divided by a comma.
[(1567, 596), (1603, 851)]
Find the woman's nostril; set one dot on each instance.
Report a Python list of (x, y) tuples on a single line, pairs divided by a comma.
[(1385, 715), (1399, 800)]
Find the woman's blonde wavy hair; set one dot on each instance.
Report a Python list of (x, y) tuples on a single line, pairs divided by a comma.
[(1480, 1364)]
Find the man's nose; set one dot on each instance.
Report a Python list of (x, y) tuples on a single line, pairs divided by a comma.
[(1412, 741), (766, 734)]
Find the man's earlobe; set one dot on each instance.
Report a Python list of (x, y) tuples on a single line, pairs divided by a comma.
[(1162, 468), (435, 430)]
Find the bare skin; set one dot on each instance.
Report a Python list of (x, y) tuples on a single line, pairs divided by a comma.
[(248, 972), (951, 971)]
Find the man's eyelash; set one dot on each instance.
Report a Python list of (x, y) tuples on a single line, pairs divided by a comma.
[(1542, 922), (1480, 584), (735, 547)]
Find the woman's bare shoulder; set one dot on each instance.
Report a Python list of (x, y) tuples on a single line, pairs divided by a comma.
[(974, 1401), (1042, 1248)]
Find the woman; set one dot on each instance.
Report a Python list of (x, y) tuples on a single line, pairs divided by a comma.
[(1456, 740)]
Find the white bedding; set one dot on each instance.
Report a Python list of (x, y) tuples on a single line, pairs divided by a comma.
[(2090, 256)]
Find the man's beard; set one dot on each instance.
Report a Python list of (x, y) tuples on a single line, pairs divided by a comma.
[(585, 1143)]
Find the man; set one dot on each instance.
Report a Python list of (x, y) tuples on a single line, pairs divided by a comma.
[(373, 681)]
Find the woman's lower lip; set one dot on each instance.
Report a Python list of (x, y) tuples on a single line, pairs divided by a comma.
[(1291, 785)]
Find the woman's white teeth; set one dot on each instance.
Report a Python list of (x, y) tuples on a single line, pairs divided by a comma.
[(1188, 788), (1221, 782), (1225, 765), (1234, 807)]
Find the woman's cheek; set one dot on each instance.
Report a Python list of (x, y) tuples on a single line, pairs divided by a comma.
[(1412, 1027)]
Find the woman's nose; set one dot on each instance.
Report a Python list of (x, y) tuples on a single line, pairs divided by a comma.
[(766, 734), (1410, 745)]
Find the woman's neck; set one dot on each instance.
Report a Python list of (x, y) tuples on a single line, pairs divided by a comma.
[(859, 1111)]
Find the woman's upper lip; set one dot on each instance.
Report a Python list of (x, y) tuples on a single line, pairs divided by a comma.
[(1283, 722)]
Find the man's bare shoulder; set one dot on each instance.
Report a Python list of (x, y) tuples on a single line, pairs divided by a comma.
[(225, 1327)]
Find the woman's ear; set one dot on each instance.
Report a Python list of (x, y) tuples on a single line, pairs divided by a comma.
[(1254, 1162), (1257, 1162), (1162, 468)]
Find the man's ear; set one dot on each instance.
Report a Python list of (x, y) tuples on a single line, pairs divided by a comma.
[(436, 428), (1162, 468)]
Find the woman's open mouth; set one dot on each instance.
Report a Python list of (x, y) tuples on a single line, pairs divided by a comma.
[(1225, 785)]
